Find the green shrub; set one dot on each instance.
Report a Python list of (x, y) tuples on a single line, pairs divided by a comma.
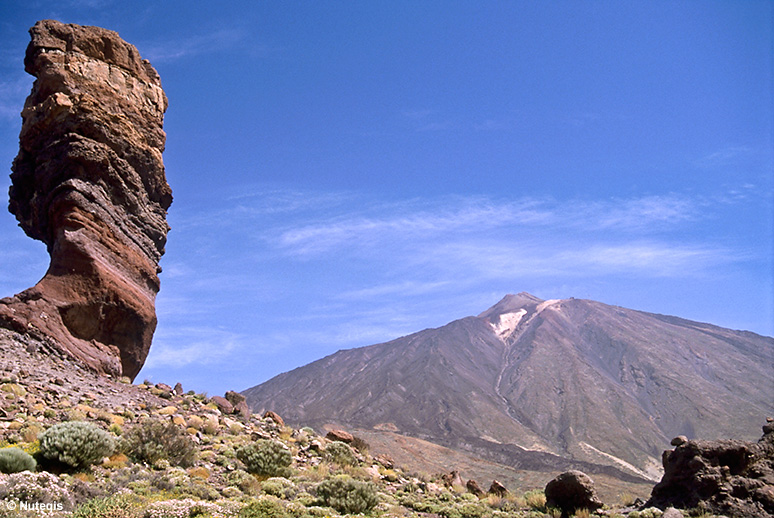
[(153, 440), (266, 458), (76, 443), (339, 453), (264, 508), (14, 460), (279, 487), (244, 481), (347, 495), (116, 506)]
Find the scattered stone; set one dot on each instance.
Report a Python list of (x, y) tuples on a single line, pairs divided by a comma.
[(385, 460), (571, 491), (223, 404), (672, 513), (452, 479), (274, 417), (243, 410), (178, 390), (497, 489), (340, 435), (473, 487), (235, 397), (680, 439)]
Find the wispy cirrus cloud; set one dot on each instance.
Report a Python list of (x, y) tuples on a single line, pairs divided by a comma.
[(194, 345), (456, 240), (454, 216), (216, 40)]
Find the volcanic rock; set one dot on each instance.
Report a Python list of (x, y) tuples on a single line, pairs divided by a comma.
[(274, 417), (340, 435), (730, 477), (89, 182), (473, 487), (223, 404), (451, 479), (571, 491), (497, 489)]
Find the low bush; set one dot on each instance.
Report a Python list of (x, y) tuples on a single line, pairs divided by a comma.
[(264, 508), (76, 443), (279, 487), (154, 440), (115, 506), (347, 495), (339, 453), (14, 460), (266, 458)]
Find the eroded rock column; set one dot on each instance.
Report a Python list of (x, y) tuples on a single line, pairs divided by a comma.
[(89, 182)]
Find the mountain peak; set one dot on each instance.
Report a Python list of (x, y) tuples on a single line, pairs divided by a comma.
[(512, 303)]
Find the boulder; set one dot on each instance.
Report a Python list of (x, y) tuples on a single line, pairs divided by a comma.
[(340, 435), (473, 487), (274, 417), (235, 397), (89, 182), (571, 491), (224, 405), (385, 460), (729, 477), (497, 489), (452, 479)]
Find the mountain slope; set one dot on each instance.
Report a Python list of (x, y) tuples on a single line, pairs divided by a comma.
[(529, 380)]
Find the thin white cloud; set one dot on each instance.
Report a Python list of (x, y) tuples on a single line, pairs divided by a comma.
[(725, 156), (492, 125), (213, 41), (479, 215), (405, 288), (184, 346), (644, 212)]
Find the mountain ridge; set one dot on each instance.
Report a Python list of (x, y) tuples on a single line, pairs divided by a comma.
[(579, 379)]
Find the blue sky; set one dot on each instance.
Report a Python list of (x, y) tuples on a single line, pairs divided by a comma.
[(349, 172)]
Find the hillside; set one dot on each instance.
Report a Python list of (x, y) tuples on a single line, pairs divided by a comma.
[(543, 384), (43, 388)]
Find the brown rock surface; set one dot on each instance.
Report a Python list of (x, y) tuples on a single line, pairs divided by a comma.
[(89, 182), (730, 477), (340, 435), (571, 491)]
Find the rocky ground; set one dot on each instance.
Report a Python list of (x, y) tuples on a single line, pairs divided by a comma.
[(39, 388)]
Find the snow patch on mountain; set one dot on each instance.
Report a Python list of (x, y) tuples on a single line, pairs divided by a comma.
[(507, 323)]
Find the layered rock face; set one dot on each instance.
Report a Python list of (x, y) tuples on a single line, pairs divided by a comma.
[(89, 182)]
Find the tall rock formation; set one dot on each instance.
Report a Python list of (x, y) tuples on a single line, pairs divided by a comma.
[(89, 182)]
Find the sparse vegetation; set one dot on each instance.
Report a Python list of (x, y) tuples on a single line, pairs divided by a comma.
[(152, 440), (116, 506), (340, 453), (266, 458), (15, 460), (182, 458), (347, 495), (75, 443)]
